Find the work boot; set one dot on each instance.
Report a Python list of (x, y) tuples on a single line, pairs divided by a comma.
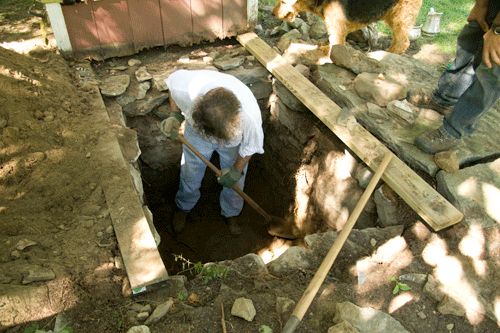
[(436, 141), (425, 101), (179, 221), (234, 227)]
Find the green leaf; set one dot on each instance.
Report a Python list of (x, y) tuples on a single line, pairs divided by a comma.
[(32, 329), (404, 286), (392, 278), (396, 289), (265, 329)]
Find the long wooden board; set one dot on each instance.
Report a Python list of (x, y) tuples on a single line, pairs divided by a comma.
[(418, 194), (141, 258)]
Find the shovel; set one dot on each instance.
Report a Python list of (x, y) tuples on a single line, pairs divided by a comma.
[(324, 268), (275, 226)]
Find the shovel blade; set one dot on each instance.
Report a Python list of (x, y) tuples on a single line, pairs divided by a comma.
[(283, 229)]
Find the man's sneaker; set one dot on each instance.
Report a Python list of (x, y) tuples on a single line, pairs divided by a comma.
[(179, 221), (425, 101), (234, 227), (436, 141)]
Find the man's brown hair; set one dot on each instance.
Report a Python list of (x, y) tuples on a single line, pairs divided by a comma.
[(217, 115)]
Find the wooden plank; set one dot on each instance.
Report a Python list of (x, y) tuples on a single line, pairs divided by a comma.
[(140, 255), (418, 194), (142, 260)]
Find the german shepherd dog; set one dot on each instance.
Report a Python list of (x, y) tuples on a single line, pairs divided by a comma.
[(344, 16)]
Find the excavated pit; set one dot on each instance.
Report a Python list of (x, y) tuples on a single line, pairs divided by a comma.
[(206, 237), (308, 181)]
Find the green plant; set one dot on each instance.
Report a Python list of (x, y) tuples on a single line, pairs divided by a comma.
[(262, 16), (399, 286), (182, 295), (32, 329), (208, 272), (119, 320)]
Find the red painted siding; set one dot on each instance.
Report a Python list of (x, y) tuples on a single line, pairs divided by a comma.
[(109, 28)]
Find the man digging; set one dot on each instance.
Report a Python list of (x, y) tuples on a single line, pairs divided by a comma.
[(221, 115)]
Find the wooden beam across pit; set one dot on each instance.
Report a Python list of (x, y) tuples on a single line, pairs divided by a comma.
[(418, 194)]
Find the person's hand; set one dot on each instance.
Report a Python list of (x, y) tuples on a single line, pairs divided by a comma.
[(229, 177), (478, 14), (170, 126), (491, 48)]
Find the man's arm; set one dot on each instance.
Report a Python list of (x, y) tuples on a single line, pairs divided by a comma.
[(491, 47), (478, 13), (170, 126), (232, 175), (173, 106), (241, 162)]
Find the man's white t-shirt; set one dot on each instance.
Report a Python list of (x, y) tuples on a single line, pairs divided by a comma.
[(186, 86)]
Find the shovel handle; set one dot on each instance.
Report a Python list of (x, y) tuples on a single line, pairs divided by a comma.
[(219, 173), (319, 277)]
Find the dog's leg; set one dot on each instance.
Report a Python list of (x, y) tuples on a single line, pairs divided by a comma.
[(400, 20), (335, 21)]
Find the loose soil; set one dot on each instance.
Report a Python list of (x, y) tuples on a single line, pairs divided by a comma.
[(51, 194)]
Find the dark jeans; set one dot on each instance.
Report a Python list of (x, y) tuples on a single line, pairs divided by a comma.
[(468, 85)]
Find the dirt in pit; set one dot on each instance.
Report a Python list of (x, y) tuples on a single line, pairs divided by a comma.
[(50, 193)]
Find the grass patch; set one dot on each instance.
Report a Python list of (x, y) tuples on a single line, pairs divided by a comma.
[(454, 18)]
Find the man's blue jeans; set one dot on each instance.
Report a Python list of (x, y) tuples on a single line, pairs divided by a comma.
[(193, 170), (468, 86)]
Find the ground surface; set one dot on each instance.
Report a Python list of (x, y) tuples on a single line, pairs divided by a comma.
[(50, 193)]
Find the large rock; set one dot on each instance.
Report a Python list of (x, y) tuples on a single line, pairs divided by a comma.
[(158, 313), (287, 39), (257, 79), (337, 84), (115, 85), (243, 308), (146, 105), (387, 209), (367, 320), (474, 191), (356, 61), (450, 306), (378, 89), (299, 124), (294, 258)]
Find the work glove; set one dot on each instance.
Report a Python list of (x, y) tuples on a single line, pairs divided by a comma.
[(229, 177), (170, 126)]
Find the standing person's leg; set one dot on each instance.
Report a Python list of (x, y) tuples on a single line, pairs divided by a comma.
[(455, 80), (460, 76), (479, 98), (192, 170)]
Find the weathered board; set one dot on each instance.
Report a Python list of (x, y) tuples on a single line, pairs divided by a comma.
[(143, 263), (418, 194)]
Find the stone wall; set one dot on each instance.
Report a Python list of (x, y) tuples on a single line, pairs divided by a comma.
[(314, 167)]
